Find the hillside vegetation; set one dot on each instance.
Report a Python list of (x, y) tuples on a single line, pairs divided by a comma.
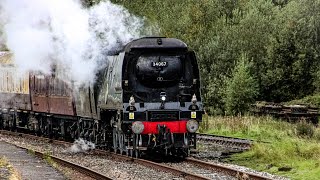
[(276, 42), (311, 100), (282, 148), (250, 50)]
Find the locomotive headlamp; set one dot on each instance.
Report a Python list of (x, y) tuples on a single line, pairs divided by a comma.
[(192, 126), (163, 96), (132, 101), (194, 99), (137, 127)]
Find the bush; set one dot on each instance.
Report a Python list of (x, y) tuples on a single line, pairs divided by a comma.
[(204, 126), (241, 88), (303, 128)]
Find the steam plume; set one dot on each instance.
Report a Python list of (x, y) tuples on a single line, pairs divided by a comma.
[(41, 33), (80, 145)]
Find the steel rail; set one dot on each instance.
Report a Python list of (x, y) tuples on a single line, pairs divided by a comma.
[(187, 175), (226, 141), (83, 170), (233, 172), (213, 135), (235, 138), (151, 164), (184, 174)]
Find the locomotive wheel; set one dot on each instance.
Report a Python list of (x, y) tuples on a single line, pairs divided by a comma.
[(72, 130), (136, 151), (118, 136), (186, 152), (105, 136), (120, 142), (12, 122), (183, 152), (4, 124), (115, 140), (96, 134), (125, 144), (1, 121), (129, 152)]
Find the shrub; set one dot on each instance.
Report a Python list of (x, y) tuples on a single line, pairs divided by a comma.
[(241, 88), (204, 126), (303, 128)]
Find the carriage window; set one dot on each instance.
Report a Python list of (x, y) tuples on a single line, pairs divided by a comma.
[(7, 82)]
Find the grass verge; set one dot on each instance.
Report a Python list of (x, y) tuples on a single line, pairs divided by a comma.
[(12, 173), (293, 149)]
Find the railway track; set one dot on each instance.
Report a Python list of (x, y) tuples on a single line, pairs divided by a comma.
[(65, 163), (238, 143), (227, 170), (159, 166)]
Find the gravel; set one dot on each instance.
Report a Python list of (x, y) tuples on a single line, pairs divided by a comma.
[(4, 173), (208, 173), (210, 152), (71, 174), (117, 169), (113, 168), (249, 170)]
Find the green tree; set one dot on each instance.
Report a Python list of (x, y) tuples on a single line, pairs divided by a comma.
[(241, 88), (88, 3), (281, 38), (2, 41), (293, 55)]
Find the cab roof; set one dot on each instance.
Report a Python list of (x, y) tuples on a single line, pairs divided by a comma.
[(156, 43)]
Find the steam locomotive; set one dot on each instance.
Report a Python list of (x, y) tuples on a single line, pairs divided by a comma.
[(146, 99)]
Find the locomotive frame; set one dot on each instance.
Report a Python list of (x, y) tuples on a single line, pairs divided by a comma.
[(147, 98)]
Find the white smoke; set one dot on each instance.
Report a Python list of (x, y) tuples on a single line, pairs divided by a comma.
[(41, 33), (81, 145)]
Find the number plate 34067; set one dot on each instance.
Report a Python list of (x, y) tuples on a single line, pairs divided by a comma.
[(159, 64)]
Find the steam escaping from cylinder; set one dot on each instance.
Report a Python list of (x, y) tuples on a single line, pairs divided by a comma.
[(63, 36), (81, 145)]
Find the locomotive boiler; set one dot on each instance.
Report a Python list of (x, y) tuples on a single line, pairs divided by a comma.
[(146, 99)]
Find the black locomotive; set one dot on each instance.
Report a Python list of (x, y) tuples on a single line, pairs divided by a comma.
[(147, 98)]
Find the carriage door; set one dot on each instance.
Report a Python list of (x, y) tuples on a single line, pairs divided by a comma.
[(39, 92)]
